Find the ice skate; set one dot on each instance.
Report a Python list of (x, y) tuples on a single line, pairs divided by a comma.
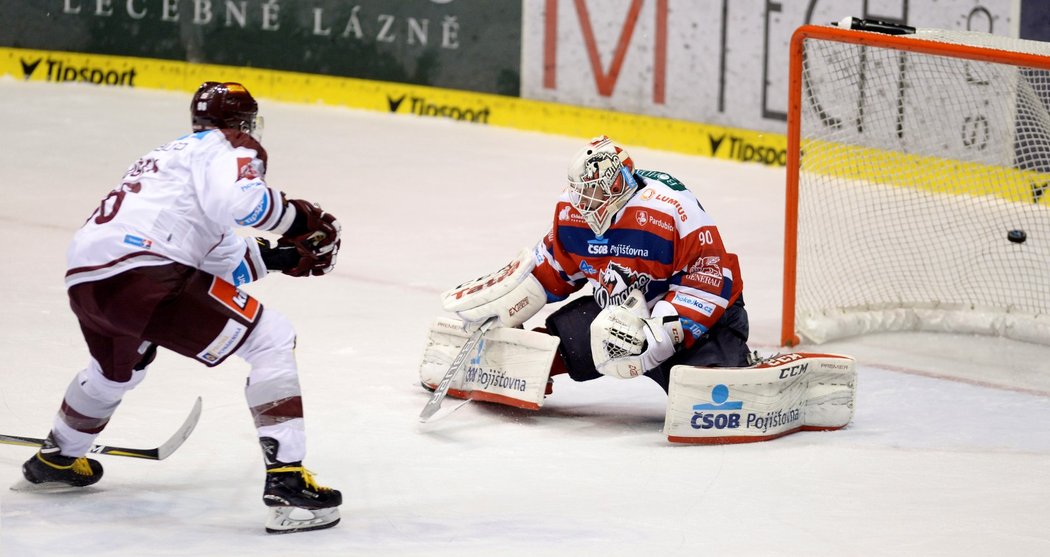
[(49, 466), (297, 503)]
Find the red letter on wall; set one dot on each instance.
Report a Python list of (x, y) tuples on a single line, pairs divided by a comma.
[(606, 82)]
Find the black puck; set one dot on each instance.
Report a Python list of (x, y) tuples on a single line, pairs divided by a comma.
[(1016, 236)]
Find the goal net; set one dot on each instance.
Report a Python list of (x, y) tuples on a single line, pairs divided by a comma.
[(917, 166)]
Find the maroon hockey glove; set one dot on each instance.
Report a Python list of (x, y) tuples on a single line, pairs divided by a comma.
[(315, 234)]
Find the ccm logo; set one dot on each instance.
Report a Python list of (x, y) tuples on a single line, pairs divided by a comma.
[(794, 370)]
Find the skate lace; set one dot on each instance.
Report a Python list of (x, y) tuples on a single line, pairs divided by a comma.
[(83, 467), (307, 476), (80, 466)]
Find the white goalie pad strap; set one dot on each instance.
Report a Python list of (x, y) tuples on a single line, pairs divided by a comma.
[(509, 366), (512, 294), (782, 395)]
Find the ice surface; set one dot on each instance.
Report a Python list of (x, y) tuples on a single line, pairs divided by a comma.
[(949, 453)]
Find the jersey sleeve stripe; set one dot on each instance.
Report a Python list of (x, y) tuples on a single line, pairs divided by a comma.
[(277, 210), (273, 207), (253, 272), (727, 284)]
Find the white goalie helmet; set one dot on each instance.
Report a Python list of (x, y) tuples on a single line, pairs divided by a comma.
[(601, 181)]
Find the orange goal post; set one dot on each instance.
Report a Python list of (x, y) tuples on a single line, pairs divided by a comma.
[(916, 169)]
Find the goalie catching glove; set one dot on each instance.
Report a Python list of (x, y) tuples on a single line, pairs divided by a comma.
[(626, 342), (511, 294), (309, 244)]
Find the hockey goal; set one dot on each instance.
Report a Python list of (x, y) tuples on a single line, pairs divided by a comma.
[(916, 171)]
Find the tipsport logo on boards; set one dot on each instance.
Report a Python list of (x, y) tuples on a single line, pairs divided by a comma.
[(59, 71), (422, 107), (722, 413), (741, 149)]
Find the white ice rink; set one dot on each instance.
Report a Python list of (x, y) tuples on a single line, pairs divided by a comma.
[(949, 452)]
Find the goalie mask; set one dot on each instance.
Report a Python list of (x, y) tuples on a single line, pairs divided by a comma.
[(601, 181), (225, 106)]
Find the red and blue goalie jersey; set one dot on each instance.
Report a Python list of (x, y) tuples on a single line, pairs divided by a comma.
[(662, 243)]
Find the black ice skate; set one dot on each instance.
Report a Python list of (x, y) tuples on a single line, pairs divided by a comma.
[(48, 465), (296, 502)]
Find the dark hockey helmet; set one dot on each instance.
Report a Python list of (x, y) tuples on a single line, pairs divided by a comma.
[(225, 106)]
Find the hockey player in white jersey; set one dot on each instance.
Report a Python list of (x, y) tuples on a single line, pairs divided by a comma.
[(158, 263)]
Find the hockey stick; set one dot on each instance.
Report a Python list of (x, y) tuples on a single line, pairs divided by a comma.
[(434, 404), (159, 453)]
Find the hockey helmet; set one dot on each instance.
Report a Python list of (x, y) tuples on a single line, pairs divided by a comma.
[(225, 106), (601, 181)]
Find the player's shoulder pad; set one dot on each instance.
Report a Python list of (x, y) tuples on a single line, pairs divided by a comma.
[(663, 178), (241, 139), (664, 192)]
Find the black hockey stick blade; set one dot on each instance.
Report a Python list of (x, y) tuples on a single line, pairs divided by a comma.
[(434, 404), (159, 453)]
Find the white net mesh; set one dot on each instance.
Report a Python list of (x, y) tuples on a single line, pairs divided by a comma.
[(914, 170)]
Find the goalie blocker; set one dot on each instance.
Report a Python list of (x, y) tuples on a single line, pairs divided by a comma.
[(781, 395)]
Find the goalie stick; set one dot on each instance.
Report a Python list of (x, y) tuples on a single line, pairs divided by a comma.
[(159, 453), (434, 404)]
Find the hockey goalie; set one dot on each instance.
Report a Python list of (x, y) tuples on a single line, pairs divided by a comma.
[(666, 304)]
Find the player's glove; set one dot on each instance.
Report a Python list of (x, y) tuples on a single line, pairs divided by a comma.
[(626, 343), (278, 258), (315, 238)]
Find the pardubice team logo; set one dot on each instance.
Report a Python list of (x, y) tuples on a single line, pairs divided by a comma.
[(57, 70)]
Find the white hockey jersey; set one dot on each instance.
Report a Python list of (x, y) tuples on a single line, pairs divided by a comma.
[(180, 202)]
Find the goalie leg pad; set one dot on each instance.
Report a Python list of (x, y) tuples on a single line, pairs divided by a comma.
[(509, 366), (777, 397)]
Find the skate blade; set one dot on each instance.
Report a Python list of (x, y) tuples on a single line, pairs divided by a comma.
[(287, 520), (25, 486)]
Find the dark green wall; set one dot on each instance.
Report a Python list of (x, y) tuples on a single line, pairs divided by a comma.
[(472, 45)]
